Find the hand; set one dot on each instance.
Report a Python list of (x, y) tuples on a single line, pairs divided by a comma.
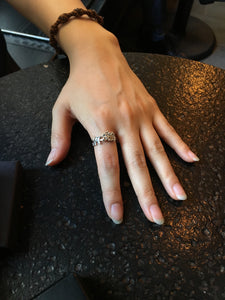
[(103, 93)]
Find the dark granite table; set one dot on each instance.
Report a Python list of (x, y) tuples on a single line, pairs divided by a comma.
[(66, 227)]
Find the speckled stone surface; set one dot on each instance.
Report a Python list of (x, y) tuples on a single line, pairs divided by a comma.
[(67, 229)]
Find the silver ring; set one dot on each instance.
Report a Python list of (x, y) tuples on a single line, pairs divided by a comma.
[(106, 137)]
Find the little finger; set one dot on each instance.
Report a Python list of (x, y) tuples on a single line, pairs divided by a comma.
[(159, 159), (170, 136)]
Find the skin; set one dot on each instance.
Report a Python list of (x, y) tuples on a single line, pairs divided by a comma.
[(103, 93)]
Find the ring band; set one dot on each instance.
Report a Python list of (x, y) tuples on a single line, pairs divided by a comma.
[(106, 137)]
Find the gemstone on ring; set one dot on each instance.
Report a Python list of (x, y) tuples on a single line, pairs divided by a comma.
[(106, 137)]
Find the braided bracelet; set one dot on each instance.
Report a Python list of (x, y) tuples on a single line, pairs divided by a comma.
[(64, 18)]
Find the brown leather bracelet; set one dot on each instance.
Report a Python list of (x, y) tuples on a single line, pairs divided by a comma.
[(64, 18)]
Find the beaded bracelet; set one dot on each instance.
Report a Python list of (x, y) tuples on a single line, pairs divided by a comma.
[(64, 18)]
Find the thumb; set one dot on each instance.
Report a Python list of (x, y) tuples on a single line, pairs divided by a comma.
[(62, 124)]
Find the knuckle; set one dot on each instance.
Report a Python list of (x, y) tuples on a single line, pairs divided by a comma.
[(171, 128), (57, 137), (109, 195), (181, 144), (127, 113), (151, 103), (126, 109), (169, 176), (138, 160), (156, 147), (146, 195), (184, 146), (109, 163), (103, 115)]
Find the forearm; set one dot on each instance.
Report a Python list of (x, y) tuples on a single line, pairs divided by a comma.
[(43, 13), (79, 34)]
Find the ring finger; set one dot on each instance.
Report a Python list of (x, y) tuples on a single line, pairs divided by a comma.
[(108, 169)]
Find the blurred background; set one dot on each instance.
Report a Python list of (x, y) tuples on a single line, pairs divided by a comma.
[(131, 23)]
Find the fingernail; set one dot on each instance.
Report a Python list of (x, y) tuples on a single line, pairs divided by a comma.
[(156, 214), (193, 156), (117, 222), (179, 192), (50, 157), (116, 213)]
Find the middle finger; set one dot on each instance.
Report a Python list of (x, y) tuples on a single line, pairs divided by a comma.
[(134, 158)]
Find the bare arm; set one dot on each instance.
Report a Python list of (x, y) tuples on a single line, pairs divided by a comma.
[(103, 93), (43, 13)]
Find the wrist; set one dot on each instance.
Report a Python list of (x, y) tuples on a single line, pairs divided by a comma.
[(64, 18), (82, 36)]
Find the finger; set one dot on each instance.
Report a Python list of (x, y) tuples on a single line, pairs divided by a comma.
[(134, 158), (108, 169), (169, 135), (62, 123), (157, 155)]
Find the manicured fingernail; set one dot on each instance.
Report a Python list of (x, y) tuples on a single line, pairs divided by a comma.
[(117, 222), (50, 157), (193, 156), (116, 213), (156, 214), (179, 192)]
